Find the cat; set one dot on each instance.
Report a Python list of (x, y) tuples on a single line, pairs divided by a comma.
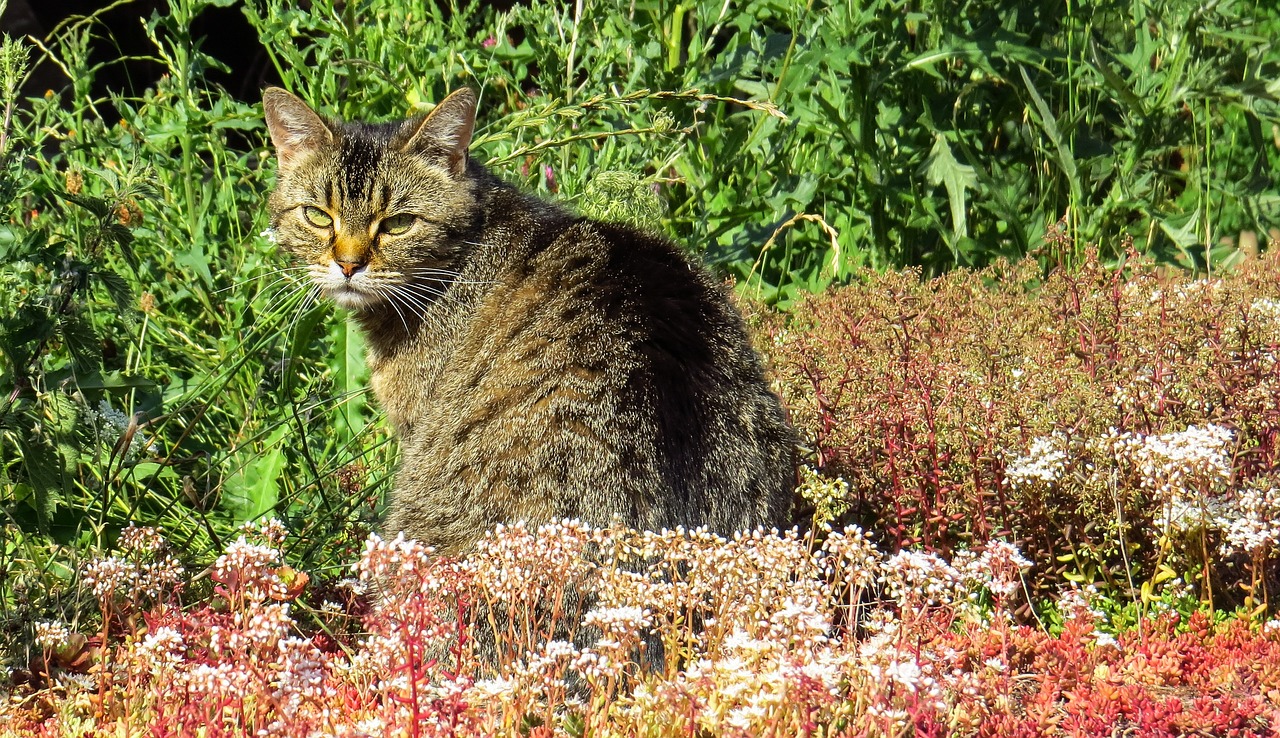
[(535, 365)]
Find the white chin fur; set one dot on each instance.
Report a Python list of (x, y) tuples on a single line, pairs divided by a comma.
[(349, 299)]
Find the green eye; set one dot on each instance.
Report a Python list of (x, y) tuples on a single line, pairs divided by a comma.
[(317, 217), (396, 224)]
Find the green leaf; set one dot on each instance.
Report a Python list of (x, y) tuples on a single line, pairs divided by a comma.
[(1113, 80), (1184, 234), (351, 379), (120, 291), (47, 474), (1066, 161), (254, 489), (80, 339), (123, 239), (113, 381), (96, 205), (942, 168)]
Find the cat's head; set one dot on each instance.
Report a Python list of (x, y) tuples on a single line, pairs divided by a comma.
[(374, 209)]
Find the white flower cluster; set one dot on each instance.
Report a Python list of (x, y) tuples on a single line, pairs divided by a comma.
[(761, 632), (1194, 289), (1044, 462), (144, 540), (396, 567), (1250, 521), (108, 574), (997, 568), (111, 424), (515, 564), (1267, 308), (919, 579), (850, 563), (146, 569), (301, 676), (51, 635), (162, 649), (255, 629), (624, 619), (755, 682), (1182, 469), (249, 570), (1079, 602)]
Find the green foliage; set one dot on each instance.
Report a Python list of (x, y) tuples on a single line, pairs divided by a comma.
[(158, 362), (937, 134)]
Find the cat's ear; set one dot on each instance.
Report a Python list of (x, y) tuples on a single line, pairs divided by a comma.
[(295, 129), (446, 130)]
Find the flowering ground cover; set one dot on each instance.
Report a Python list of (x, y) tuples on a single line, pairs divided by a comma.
[(1038, 506), (791, 639)]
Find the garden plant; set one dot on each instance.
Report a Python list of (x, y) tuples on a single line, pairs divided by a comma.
[(1014, 266)]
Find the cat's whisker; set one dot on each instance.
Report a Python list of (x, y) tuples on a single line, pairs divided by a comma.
[(283, 295), (387, 298), (419, 307), (284, 271), (311, 297), (427, 294), (412, 293), (276, 287), (434, 286), (450, 275)]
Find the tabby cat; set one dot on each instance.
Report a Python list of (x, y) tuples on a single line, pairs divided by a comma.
[(535, 365)]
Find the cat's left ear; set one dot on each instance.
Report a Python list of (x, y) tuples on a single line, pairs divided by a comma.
[(295, 128), (445, 131)]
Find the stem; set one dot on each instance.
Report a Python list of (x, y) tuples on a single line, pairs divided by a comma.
[(1208, 579), (782, 76), (573, 51), (676, 38), (4, 129)]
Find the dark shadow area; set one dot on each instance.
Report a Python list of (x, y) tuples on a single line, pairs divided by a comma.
[(224, 34)]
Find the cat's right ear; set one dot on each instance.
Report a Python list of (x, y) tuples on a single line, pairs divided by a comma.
[(295, 129)]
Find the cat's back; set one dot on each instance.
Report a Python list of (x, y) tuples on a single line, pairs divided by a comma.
[(604, 375)]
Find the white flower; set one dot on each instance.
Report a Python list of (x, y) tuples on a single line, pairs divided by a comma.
[(1104, 639), (1045, 461), (1250, 520), (1267, 308), (51, 635)]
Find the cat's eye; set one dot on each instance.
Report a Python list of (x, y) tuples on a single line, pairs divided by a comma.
[(317, 217), (396, 224)]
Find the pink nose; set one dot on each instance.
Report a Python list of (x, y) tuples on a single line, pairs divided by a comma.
[(349, 267)]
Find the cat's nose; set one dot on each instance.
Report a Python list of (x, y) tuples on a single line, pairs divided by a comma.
[(350, 268)]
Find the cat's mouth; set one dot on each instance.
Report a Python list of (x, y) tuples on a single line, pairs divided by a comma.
[(348, 292)]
